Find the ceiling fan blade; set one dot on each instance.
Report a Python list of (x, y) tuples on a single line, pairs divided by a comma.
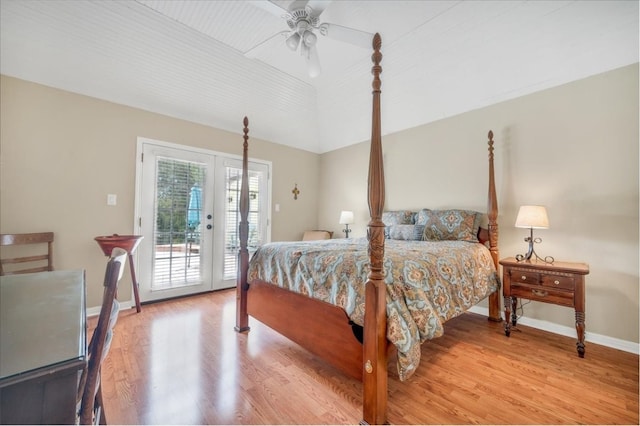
[(273, 8), (346, 34), (318, 6), (253, 52), (313, 62)]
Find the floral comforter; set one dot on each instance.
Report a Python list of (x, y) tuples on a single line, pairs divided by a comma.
[(428, 282)]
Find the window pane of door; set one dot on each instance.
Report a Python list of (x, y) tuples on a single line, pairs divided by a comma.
[(177, 229)]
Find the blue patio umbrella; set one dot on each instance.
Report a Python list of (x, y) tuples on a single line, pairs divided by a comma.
[(195, 204)]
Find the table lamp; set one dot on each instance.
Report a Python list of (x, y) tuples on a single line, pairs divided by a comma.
[(532, 217), (346, 218)]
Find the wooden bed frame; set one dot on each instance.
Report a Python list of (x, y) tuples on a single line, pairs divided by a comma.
[(333, 339)]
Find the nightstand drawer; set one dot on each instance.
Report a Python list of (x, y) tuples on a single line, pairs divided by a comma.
[(558, 281), (542, 294), (524, 277)]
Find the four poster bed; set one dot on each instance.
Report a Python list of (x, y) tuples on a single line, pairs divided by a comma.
[(315, 292)]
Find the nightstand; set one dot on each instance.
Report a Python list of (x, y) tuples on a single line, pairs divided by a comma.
[(560, 283)]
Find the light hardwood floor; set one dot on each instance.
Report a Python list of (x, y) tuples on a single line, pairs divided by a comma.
[(181, 362)]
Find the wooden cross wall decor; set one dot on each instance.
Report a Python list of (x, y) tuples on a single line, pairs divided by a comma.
[(295, 192)]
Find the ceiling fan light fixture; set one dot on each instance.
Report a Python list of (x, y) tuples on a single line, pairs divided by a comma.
[(303, 19), (293, 41), (309, 38)]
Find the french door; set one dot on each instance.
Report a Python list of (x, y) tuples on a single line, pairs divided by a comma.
[(187, 211)]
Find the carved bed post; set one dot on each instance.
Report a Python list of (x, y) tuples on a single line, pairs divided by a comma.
[(492, 212), (375, 317), (242, 317)]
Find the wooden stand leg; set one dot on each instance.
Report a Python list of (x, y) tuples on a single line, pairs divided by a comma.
[(507, 315), (580, 330), (134, 282)]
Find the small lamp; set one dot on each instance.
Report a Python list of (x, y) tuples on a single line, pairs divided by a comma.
[(532, 217), (346, 218)]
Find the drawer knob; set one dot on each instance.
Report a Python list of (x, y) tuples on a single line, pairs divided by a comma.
[(556, 282), (524, 277)]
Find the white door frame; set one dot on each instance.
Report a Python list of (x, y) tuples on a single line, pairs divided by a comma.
[(217, 277)]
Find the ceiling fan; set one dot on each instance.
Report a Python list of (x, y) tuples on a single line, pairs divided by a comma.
[(303, 19)]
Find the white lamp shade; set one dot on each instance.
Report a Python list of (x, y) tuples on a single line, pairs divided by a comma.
[(532, 217), (346, 218)]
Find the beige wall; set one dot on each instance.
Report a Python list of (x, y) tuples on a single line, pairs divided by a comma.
[(573, 148), (62, 153)]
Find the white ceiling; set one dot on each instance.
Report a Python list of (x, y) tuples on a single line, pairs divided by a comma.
[(186, 59)]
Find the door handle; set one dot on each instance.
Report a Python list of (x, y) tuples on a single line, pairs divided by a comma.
[(209, 216), (209, 226)]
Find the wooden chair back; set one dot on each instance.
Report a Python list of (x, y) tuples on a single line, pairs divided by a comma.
[(91, 410), (25, 260)]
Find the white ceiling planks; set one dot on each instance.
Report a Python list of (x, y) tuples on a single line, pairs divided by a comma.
[(186, 59)]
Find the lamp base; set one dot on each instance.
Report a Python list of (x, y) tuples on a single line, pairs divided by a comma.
[(346, 230), (531, 252)]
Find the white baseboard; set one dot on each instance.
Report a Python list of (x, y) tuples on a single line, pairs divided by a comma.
[(599, 339)]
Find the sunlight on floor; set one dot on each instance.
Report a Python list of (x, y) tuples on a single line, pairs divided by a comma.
[(174, 369)]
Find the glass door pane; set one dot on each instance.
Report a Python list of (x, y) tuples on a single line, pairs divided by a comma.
[(177, 230)]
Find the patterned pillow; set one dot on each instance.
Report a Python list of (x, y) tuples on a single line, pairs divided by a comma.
[(418, 232), (403, 232), (459, 225), (422, 217), (397, 217)]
